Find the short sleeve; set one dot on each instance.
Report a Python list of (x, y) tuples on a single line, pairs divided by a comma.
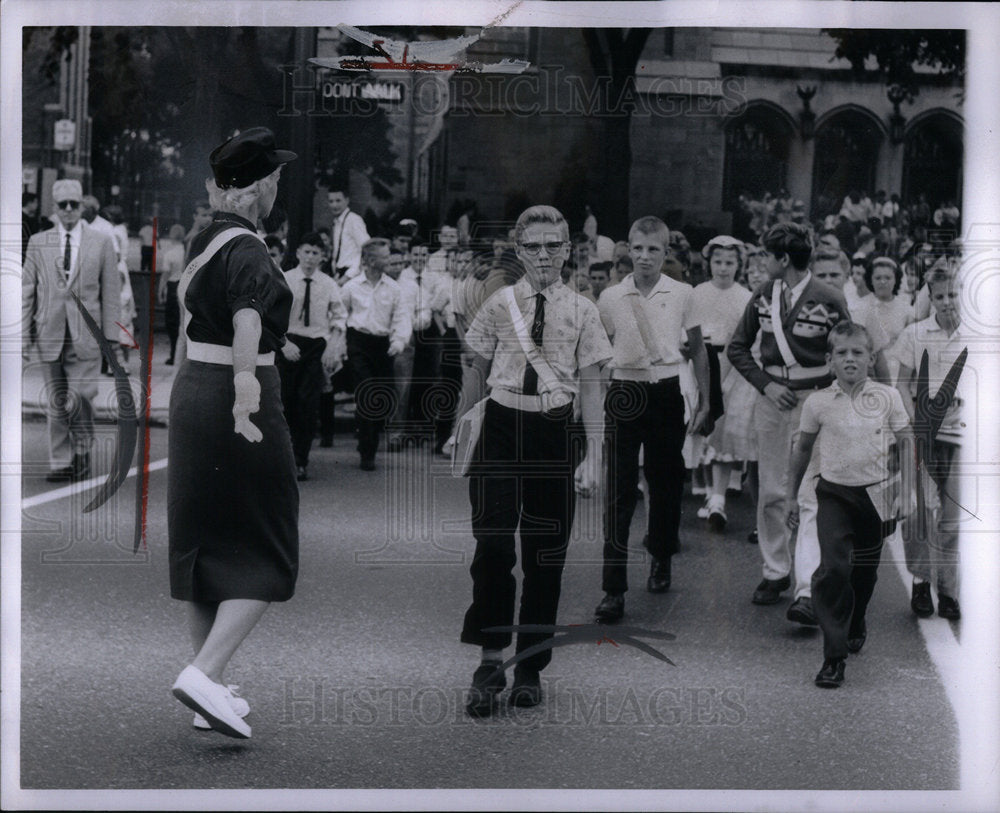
[(481, 336), (898, 419), (903, 349), (604, 306), (594, 346), (250, 277), (810, 419), (692, 317)]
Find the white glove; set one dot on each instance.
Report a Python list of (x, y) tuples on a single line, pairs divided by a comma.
[(247, 402)]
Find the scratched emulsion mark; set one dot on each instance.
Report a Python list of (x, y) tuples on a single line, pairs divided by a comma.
[(436, 55), (570, 634), (130, 427)]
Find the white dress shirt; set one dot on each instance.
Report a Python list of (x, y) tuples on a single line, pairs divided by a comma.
[(377, 309), (326, 308), (348, 234)]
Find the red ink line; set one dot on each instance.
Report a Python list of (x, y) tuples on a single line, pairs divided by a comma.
[(135, 344), (149, 384)]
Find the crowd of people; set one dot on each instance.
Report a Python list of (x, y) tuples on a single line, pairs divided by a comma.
[(786, 366)]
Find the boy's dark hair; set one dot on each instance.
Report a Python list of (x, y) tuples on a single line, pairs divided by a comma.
[(889, 263), (311, 238), (939, 276), (273, 241), (28, 197), (604, 265), (202, 204), (847, 329), (791, 240), (579, 238)]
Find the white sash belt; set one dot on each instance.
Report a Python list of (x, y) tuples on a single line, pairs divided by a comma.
[(220, 354)]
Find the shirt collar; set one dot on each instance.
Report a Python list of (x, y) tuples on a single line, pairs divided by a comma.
[(836, 389), (551, 292), (74, 233), (661, 286), (801, 285)]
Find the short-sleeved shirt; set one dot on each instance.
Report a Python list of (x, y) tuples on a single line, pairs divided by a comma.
[(855, 431), (240, 275), (572, 335), (670, 313), (942, 351), (718, 310)]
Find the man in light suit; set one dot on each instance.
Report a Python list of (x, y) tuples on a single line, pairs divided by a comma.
[(71, 256)]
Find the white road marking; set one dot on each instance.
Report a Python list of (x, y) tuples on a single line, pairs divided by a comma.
[(83, 485)]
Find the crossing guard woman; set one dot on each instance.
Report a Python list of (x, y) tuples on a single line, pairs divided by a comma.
[(232, 496)]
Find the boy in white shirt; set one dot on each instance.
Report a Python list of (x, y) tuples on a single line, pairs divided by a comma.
[(853, 419)]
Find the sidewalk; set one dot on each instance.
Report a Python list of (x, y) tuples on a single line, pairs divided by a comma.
[(33, 396)]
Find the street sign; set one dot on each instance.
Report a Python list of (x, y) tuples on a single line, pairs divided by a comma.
[(374, 91), (64, 134)]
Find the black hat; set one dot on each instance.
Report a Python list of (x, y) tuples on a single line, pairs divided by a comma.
[(246, 158)]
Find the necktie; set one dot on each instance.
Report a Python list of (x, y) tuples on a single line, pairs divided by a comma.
[(537, 327), (306, 302), (340, 239), (786, 297), (68, 258)]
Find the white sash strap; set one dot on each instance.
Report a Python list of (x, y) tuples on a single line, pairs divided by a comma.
[(546, 374), (779, 329), (195, 265), (646, 331)]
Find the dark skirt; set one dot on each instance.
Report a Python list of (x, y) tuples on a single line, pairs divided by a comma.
[(232, 505)]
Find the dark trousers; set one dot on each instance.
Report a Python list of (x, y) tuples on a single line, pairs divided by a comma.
[(172, 316), (448, 387), (651, 416), (374, 387), (301, 384), (850, 545), (521, 480), (427, 348)]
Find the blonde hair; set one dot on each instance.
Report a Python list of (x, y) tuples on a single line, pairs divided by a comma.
[(548, 215), (235, 200)]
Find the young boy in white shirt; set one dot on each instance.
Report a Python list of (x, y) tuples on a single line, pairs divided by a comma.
[(853, 419)]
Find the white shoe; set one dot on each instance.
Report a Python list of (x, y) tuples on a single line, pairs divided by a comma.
[(211, 700), (239, 706), (716, 508)]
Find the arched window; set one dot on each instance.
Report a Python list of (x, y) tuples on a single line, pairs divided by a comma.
[(847, 147), (932, 160), (756, 154)]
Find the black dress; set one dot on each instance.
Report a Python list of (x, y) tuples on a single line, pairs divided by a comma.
[(232, 505)]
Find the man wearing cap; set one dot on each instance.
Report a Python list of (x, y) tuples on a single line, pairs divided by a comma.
[(69, 257)]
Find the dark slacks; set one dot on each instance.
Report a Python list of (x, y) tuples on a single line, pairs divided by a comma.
[(651, 416), (521, 480), (850, 544), (427, 350), (374, 387), (301, 384)]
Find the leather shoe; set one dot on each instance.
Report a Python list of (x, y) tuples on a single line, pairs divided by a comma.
[(769, 590), (487, 682), (527, 689), (948, 607), (211, 700), (856, 636), (920, 600), (81, 467), (832, 673), (301, 474), (63, 475), (801, 612), (753, 537), (367, 464), (659, 575), (611, 608)]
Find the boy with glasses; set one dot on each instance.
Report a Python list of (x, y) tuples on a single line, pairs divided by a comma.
[(543, 347)]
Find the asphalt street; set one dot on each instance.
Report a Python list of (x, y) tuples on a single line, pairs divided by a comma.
[(357, 682)]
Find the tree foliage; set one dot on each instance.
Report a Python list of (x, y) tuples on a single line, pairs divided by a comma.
[(897, 53)]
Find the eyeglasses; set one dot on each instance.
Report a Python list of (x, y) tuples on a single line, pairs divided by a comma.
[(550, 248), (68, 204)]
